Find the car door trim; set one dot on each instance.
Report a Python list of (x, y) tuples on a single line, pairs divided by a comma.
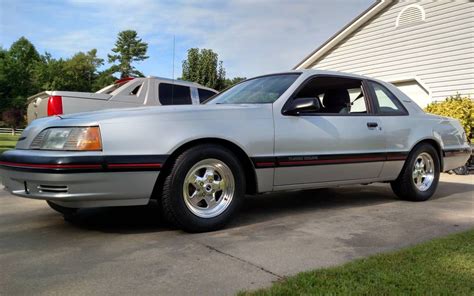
[(326, 159)]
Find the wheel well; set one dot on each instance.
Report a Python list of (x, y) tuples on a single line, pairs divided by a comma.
[(436, 146), (250, 175)]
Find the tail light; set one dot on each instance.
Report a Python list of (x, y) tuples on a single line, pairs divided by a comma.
[(55, 105)]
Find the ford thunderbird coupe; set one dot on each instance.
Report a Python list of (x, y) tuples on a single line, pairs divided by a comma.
[(285, 131)]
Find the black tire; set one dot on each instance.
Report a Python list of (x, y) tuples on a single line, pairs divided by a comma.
[(66, 212), (404, 186), (464, 170), (174, 206)]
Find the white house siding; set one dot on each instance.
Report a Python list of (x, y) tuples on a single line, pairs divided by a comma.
[(438, 53)]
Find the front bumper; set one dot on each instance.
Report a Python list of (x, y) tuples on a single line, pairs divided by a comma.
[(80, 181)]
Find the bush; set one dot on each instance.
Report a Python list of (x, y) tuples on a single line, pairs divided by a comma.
[(456, 107)]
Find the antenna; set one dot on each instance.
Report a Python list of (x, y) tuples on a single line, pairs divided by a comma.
[(174, 49), (172, 85)]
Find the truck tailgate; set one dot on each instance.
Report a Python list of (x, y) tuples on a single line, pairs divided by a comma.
[(38, 104)]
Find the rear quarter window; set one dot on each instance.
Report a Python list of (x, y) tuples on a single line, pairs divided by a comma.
[(204, 94), (172, 94)]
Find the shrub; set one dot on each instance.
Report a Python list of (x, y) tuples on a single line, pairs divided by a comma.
[(456, 107)]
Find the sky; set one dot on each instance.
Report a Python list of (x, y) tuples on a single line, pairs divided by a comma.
[(251, 37)]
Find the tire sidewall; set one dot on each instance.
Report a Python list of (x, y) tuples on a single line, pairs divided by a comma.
[(184, 163)]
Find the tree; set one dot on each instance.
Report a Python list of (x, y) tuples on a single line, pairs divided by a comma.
[(16, 73), (230, 82), (22, 57), (103, 79), (128, 48), (50, 74), (79, 73), (13, 117), (203, 66), (81, 70)]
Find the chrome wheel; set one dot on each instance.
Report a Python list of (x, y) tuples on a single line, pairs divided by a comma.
[(423, 171), (208, 188)]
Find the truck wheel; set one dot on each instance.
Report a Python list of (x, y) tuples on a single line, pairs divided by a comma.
[(464, 170), (68, 213), (204, 188), (420, 175)]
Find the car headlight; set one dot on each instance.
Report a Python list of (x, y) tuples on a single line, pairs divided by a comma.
[(68, 138)]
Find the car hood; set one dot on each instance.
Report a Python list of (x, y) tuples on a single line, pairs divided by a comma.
[(158, 113)]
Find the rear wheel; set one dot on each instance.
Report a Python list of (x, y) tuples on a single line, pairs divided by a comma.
[(204, 189), (420, 175), (66, 212)]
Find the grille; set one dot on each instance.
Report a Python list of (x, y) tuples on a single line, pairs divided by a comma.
[(53, 188)]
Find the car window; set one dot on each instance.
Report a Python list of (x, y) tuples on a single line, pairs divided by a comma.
[(172, 94), (135, 91), (260, 90), (386, 101), (357, 100), (204, 94), (337, 95)]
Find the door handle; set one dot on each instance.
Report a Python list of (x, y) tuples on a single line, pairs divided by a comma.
[(372, 124)]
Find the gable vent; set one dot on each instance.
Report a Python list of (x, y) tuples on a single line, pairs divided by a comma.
[(410, 15)]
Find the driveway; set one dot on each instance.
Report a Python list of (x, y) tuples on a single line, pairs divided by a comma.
[(130, 251)]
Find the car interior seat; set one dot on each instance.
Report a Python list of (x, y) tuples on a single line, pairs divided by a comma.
[(337, 101)]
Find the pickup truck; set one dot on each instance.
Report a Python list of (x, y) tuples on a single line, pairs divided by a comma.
[(124, 93)]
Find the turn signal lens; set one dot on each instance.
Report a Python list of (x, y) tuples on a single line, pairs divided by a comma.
[(89, 139)]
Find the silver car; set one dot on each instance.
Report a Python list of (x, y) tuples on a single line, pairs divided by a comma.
[(285, 131)]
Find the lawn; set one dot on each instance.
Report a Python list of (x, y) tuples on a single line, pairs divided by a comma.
[(7, 142), (439, 267)]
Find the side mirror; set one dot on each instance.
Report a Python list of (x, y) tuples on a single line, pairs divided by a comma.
[(300, 105)]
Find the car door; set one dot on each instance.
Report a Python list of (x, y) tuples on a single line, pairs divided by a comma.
[(341, 142), (398, 127)]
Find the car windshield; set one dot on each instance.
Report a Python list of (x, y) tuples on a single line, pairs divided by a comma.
[(260, 90)]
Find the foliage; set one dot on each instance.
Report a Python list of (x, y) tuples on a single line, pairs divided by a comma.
[(13, 117), (128, 48), (439, 267), (455, 107), (78, 73), (230, 82), (203, 66)]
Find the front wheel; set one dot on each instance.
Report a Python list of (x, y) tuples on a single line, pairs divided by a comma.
[(204, 189), (420, 175)]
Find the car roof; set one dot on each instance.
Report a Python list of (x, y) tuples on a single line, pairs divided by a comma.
[(404, 99), (179, 82), (310, 72)]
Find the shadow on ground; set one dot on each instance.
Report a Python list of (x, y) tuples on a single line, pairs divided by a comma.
[(256, 209)]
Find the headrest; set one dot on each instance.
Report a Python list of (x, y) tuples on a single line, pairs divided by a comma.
[(336, 98)]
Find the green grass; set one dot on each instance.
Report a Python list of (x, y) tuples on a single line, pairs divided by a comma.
[(7, 142), (439, 267)]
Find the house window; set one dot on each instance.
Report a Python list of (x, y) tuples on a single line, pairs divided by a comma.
[(410, 15)]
